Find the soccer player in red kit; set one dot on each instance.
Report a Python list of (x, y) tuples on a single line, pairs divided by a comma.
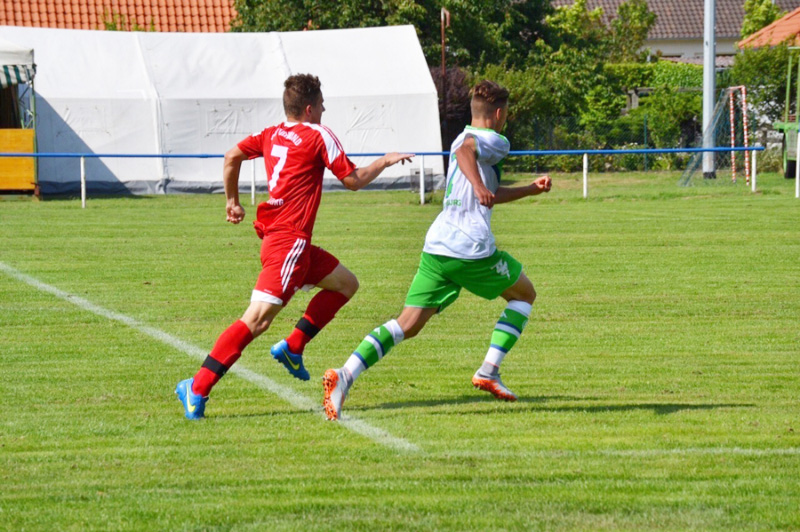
[(296, 153)]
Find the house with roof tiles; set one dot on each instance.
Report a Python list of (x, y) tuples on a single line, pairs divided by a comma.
[(678, 31), (204, 16)]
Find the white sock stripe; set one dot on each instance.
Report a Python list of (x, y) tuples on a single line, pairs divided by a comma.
[(354, 366), (397, 332), (297, 400), (505, 328), (494, 356), (520, 306), (376, 344)]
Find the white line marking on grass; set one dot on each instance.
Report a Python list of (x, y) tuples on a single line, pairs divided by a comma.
[(743, 451), (299, 401), (631, 453)]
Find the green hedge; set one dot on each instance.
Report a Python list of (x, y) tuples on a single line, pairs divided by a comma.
[(659, 74)]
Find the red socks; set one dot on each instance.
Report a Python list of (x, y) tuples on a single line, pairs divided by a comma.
[(227, 350), (321, 310), (230, 344)]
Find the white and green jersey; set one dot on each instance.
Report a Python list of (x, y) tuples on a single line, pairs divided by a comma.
[(462, 230)]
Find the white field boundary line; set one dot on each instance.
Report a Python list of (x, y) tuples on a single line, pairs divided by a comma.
[(636, 453), (741, 451), (297, 400)]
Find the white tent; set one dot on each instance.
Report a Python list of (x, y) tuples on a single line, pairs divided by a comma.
[(16, 64), (173, 93)]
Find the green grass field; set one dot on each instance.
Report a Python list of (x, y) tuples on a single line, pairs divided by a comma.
[(658, 378)]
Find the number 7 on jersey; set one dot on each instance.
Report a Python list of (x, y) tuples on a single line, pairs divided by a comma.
[(281, 152)]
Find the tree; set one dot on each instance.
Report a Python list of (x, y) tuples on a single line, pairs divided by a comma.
[(578, 28), (481, 32), (620, 41), (763, 72), (629, 31), (757, 14), (298, 15)]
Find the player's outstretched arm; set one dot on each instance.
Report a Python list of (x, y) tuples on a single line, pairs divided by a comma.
[(468, 164), (507, 194), (230, 177), (361, 177)]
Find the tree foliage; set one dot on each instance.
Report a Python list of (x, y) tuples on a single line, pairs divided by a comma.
[(481, 31), (757, 14), (661, 73), (763, 72), (629, 31)]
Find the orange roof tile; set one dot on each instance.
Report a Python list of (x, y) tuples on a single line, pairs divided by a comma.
[(782, 30), (161, 15)]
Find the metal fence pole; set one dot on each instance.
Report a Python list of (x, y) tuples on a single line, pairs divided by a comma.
[(422, 180), (753, 170), (83, 182), (645, 142)]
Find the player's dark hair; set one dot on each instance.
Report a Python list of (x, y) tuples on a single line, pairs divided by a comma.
[(488, 97), (300, 91)]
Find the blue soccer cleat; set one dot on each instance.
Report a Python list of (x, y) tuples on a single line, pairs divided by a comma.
[(293, 362), (194, 405)]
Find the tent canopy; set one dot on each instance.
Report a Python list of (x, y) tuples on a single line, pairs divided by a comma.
[(185, 93), (16, 64)]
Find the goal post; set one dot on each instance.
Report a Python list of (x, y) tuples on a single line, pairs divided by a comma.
[(729, 127)]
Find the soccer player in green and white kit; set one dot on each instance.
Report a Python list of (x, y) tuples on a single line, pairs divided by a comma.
[(459, 252)]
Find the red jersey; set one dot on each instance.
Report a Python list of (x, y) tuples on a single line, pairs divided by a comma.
[(295, 156)]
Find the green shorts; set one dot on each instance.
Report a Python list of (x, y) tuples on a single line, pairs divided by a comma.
[(439, 279)]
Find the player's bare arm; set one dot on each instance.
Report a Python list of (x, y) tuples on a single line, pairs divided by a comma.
[(468, 163), (230, 177), (362, 177), (538, 186)]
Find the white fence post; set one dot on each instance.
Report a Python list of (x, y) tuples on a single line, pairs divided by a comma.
[(83, 182), (797, 168), (253, 182), (585, 175), (422, 180), (753, 170)]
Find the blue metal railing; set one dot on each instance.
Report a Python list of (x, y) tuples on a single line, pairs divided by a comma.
[(378, 154), (422, 154)]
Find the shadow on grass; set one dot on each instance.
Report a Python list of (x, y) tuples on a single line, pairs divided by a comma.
[(538, 404), (469, 399), (72, 196), (660, 409)]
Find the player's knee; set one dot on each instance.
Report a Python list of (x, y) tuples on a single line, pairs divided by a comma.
[(523, 291), (411, 326), (350, 286), (258, 317), (257, 324), (412, 331), (531, 295)]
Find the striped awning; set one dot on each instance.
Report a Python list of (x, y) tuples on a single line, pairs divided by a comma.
[(16, 74)]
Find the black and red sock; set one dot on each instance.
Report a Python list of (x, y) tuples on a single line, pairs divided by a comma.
[(226, 352), (321, 310)]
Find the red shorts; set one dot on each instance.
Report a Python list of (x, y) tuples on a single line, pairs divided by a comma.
[(289, 262)]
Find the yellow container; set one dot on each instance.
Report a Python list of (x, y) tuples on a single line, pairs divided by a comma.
[(17, 173)]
